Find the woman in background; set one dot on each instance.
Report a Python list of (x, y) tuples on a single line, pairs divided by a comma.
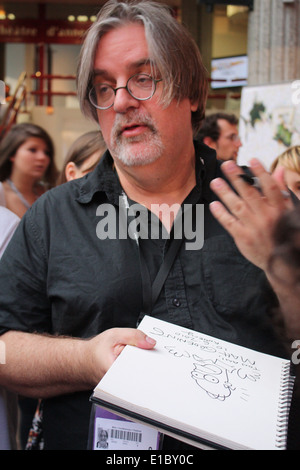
[(27, 167), (290, 162), (83, 156)]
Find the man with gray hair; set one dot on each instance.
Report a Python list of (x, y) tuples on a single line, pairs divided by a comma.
[(71, 293)]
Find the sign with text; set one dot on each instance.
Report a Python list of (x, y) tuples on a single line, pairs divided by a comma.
[(43, 31)]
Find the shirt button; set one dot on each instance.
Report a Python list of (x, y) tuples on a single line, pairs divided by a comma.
[(176, 302)]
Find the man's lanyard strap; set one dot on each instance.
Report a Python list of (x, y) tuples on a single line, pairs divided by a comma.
[(151, 292)]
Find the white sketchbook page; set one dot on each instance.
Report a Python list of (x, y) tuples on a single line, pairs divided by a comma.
[(230, 392)]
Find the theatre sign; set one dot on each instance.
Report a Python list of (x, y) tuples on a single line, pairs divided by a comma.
[(43, 31)]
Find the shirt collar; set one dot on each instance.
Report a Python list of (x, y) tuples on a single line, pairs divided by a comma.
[(104, 178)]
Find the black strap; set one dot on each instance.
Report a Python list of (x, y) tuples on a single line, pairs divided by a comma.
[(151, 292), (146, 286), (165, 269)]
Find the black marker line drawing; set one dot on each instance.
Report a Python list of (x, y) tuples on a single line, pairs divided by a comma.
[(215, 370)]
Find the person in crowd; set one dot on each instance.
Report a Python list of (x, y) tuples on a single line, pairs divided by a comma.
[(83, 156), (27, 170), (285, 265), (220, 132), (289, 160), (9, 222), (27, 167), (8, 401), (89, 270)]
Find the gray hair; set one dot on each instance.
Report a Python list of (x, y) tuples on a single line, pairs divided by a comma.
[(172, 50)]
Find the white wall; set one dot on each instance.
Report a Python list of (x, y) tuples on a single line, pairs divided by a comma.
[(15, 58)]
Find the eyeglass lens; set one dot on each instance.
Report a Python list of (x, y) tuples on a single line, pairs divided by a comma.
[(140, 87)]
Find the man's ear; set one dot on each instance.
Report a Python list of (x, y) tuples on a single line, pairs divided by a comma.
[(210, 143), (70, 171)]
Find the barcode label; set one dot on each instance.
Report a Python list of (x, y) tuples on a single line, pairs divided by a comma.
[(120, 434), (126, 435)]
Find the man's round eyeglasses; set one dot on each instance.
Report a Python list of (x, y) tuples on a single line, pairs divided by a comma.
[(140, 86)]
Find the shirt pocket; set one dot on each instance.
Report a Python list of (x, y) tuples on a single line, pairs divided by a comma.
[(232, 283)]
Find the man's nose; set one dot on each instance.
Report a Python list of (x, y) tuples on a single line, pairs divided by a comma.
[(124, 100), (238, 142)]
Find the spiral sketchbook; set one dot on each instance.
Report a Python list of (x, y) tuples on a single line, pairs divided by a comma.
[(201, 390)]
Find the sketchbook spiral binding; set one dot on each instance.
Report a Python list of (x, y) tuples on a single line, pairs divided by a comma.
[(285, 399)]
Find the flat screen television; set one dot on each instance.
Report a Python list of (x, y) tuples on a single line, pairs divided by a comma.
[(227, 72), (211, 3)]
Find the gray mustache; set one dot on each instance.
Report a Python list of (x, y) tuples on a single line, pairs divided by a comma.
[(122, 122)]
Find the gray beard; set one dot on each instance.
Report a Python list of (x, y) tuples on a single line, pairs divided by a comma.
[(124, 148)]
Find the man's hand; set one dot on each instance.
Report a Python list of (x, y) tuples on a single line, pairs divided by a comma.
[(43, 366), (250, 216), (107, 346)]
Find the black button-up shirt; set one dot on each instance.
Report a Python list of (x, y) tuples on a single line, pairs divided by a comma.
[(58, 276)]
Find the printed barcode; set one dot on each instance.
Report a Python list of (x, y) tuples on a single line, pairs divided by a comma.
[(126, 435)]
